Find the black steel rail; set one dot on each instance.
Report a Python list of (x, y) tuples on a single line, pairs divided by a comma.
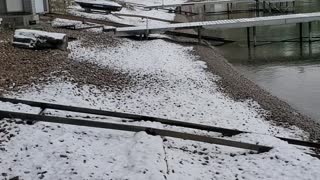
[(132, 128), (224, 131)]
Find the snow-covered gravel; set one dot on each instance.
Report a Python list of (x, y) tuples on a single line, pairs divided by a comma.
[(171, 83), (174, 84)]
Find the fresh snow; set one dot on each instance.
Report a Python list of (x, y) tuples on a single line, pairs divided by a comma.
[(154, 2), (78, 11), (28, 33), (66, 22), (99, 2), (183, 88), (58, 22), (172, 84)]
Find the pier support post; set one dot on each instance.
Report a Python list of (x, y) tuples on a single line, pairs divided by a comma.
[(248, 37), (270, 8), (310, 30), (254, 37), (301, 32), (257, 8), (228, 10), (178, 9), (199, 34), (147, 29)]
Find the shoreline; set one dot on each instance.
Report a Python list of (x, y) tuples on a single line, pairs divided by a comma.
[(166, 80), (240, 88)]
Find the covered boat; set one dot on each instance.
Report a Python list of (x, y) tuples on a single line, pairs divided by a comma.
[(99, 5)]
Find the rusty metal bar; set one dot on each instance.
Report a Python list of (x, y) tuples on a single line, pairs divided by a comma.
[(132, 128), (224, 131)]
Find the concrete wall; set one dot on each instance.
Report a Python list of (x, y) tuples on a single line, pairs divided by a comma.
[(14, 6), (3, 7), (28, 6)]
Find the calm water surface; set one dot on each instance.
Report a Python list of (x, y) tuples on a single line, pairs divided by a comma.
[(289, 70)]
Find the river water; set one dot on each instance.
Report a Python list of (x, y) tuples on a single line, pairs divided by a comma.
[(289, 70)]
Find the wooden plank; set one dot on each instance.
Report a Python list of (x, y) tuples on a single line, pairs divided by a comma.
[(224, 131), (189, 35), (227, 24), (90, 27), (145, 17), (125, 127)]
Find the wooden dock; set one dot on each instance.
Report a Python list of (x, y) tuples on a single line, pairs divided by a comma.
[(260, 5), (225, 24), (215, 2)]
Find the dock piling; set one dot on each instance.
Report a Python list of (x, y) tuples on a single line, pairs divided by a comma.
[(254, 37), (199, 35), (301, 32), (228, 10), (248, 37), (257, 8), (310, 31)]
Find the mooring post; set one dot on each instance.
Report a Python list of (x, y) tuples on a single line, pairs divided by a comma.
[(257, 8), (270, 8), (228, 10), (204, 8), (179, 9), (199, 34), (301, 32), (248, 37), (310, 31), (293, 6), (254, 37), (147, 29)]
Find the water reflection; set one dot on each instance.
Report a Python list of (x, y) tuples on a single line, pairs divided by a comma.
[(288, 69)]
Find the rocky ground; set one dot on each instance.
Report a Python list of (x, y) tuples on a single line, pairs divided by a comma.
[(22, 67), (166, 80), (240, 88)]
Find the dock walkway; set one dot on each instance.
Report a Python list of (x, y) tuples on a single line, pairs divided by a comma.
[(214, 2), (224, 24)]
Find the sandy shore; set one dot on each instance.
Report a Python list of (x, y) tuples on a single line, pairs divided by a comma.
[(240, 88)]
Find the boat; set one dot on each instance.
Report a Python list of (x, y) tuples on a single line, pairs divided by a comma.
[(99, 5)]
